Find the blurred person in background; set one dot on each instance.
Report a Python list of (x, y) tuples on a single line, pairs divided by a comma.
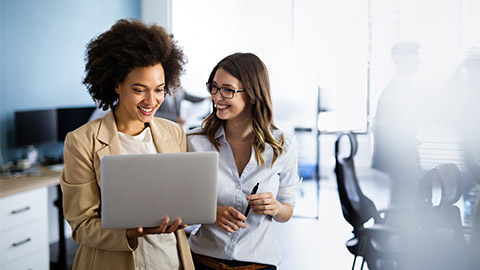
[(396, 125), (171, 107)]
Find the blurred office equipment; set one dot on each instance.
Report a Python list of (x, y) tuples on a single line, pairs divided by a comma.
[(308, 140), (428, 234), (33, 128), (307, 155), (2, 164), (436, 236), (358, 209), (70, 119), (171, 108), (462, 99), (450, 134), (474, 240), (38, 127)]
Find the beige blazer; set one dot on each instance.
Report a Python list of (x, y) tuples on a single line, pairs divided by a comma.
[(80, 182)]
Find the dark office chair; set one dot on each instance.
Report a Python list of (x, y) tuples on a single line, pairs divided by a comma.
[(438, 233), (425, 236), (474, 242), (472, 160), (368, 243), (473, 165)]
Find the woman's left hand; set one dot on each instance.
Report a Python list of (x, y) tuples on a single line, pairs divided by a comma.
[(163, 228), (264, 204)]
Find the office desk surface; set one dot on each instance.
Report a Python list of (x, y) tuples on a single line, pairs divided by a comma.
[(13, 185)]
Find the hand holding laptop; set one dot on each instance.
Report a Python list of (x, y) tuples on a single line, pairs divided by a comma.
[(163, 228)]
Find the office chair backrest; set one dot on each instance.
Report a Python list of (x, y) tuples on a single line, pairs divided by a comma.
[(356, 207), (449, 178), (451, 183), (440, 232), (426, 187)]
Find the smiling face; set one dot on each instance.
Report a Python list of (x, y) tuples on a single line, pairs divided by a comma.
[(239, 107), (140, 95)]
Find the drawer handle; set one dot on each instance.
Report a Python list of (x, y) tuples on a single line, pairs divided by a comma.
[(20, 210), (22, 242)]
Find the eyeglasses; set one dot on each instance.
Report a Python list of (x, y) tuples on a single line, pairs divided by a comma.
[(224, 92)]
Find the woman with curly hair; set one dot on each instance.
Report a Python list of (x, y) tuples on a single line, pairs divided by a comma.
[(129, 69), (254, 153)]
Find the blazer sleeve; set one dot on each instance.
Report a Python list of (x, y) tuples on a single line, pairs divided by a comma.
[(81, 198)]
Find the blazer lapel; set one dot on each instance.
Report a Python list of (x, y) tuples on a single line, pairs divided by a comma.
[(160, 136), (107, 136), (109, 143)]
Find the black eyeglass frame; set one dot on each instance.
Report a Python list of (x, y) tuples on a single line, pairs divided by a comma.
[(211, 87)]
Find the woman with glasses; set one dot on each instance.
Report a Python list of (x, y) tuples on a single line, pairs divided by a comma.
[(130, 68), (257, 171)]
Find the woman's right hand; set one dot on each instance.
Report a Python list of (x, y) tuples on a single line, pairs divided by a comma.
[(229, 219), (163, 228)]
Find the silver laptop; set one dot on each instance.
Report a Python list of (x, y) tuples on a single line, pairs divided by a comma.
[(140, 190)]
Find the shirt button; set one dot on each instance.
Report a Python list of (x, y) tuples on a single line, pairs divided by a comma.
[(238, 186)]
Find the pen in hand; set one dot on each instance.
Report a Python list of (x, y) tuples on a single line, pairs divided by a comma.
[(254, 191)]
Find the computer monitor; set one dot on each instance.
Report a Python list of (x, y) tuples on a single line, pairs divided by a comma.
[(35, 127), (70, 119)]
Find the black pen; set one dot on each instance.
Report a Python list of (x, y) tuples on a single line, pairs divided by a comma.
[(254, 191)]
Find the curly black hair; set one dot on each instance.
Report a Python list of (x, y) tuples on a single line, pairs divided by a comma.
[(128, 44)]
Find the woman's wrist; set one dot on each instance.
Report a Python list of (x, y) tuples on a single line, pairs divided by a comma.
[(279, 210), (284, 213)]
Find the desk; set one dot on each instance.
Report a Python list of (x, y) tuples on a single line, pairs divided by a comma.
[(24, 202), (12, 185)]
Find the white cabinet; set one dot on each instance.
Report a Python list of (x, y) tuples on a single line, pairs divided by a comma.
[(24, 230)]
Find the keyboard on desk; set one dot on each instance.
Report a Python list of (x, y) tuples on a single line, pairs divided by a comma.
[(56, 167)]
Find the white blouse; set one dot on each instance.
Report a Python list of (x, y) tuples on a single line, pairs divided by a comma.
[(257, 242)]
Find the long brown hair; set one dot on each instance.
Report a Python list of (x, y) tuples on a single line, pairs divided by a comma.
[(252, 72)]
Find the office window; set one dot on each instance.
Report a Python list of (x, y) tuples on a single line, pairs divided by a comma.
[(305, 45), (342, 47)]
